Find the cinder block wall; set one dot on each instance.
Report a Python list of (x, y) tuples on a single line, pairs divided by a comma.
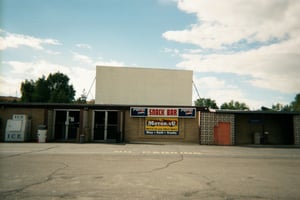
[(207, 123), (296, 129)]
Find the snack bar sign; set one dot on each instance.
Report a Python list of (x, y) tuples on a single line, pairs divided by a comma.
[(162, 112)]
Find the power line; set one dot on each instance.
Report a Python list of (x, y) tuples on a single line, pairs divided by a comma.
[(91, 87), (196, 89)]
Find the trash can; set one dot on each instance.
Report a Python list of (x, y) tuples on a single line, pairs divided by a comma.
[(42, 133), (81, 138), (257, 138)]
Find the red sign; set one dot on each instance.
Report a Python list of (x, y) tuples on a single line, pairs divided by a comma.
[(162, 112)]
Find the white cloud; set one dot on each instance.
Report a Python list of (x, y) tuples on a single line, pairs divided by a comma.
[(167, 2), (53, 52), (82, 58), (12, 40), (212, 87), (19, 71), (14, 72), (223, 23), (35, 69), (88, 60), (111, 63), (273, 67), (80, 77), (12, 86), (84, 46), (273, 24), (221, 91), (173, 52)]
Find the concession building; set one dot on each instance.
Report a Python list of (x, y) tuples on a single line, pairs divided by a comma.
[(149, 105)]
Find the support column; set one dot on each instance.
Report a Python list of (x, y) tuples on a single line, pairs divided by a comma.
[(50, 124), (296, 119)]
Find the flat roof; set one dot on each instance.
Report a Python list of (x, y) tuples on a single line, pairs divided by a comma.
[(256, 112), (141, 68), (127, 107), (86, 106)]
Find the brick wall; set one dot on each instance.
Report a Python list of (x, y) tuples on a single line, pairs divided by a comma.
[(135, 127), (207, 123), (37, 117)]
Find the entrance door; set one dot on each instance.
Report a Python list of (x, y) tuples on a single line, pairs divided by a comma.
[(66, 124), (222, 134), (106, 125)]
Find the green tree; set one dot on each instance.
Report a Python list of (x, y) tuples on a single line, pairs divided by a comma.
[(54, 89), (60, 90), (206, 102), (295, 105), (234, 105), (277, 107), (27, 89), (281, 107), (41, 91), (82, 98)]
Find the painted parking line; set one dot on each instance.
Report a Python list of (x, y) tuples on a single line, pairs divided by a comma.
[(191, 153), (122, 151), (162, 152)]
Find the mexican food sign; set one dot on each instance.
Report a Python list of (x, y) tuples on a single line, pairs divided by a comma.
[(161, 126)]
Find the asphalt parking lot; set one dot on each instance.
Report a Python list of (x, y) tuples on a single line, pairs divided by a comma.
[(147, 171)]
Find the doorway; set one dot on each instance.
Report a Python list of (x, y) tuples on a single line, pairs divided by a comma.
[(66, 124), (265, 129), (222, 134), (106, 126)]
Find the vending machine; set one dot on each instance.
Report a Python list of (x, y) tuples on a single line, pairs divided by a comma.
[(17, 129)]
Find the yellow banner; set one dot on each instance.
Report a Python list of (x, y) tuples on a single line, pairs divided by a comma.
[(162, 126)]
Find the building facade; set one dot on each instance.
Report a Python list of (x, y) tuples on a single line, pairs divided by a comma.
[(113, 123), (149, 105)]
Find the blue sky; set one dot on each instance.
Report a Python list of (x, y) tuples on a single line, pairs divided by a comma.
[(240, 50)]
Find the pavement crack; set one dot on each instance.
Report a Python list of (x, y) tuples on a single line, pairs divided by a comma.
[(48, 178), (168, 164), (29, 152)]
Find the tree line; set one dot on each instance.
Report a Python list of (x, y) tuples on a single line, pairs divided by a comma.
[(236, 105), (210, 103), (53, 89), (56, 89)]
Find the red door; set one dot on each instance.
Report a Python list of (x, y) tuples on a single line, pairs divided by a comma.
[(222, 134)]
